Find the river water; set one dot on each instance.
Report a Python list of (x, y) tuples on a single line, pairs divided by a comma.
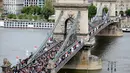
[(16, 42)]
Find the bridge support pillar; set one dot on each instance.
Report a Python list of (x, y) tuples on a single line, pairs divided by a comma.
[(113, 29), (70, 9), (83, 60)]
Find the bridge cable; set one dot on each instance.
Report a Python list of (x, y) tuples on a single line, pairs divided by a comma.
[(98, 11), (45, 41), (66, 40)]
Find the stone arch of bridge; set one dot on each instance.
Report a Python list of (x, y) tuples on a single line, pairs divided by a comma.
[(104, 10), (68, 23)]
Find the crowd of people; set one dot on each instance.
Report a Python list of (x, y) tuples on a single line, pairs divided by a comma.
[(42, 63), (67, 53)]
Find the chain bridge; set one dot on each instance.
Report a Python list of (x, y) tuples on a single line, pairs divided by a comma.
[(71, 32)]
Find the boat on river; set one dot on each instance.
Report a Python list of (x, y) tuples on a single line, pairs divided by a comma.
[(126, 29), (26, 24)]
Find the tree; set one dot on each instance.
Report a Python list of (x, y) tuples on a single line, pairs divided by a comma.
[(24, 10), (35, 17), (127, 12), (31, 10), (105, 9), (34, 10), (30, 17), (47, 9), (11, 16), (92, 10), (20, 16), (14, 16), (37, 10), (2, 16), (25, 16)]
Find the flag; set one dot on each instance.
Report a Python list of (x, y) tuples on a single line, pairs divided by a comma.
[(35, 46), (17, 57)]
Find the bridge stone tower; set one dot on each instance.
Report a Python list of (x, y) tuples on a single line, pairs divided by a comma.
[(70, 8)]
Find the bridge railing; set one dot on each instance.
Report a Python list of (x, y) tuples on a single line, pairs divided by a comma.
[(45, 41), (96, 29), (101, 26), (52, 46), (96, 16), (64, 60), (41, 55)]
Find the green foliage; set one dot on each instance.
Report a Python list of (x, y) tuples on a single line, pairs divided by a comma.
[(92, 10), (31, 10), (36, 12), (30, 17), (105, 9), (2, 16), (14, 16), (127, 12), (11, 16), (25, 16), (47, 9), (24, 10), (20, 16), (51, 20), (35, 17)]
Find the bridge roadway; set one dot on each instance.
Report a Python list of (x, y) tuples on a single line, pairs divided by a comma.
[(54, 53)]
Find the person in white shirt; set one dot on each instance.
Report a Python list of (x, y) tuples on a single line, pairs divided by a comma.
[(77, 44), (81, 40), (45, 49), (72, 49), (66, 54)]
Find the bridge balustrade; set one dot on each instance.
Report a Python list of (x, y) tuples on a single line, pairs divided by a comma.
[(40, 64), (66, 56)]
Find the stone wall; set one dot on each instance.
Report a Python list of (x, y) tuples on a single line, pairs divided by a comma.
[(112, 30), (83, 60)]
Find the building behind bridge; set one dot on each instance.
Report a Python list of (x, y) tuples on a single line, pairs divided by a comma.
[(117, 7), (33, 3), (15, 6)]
